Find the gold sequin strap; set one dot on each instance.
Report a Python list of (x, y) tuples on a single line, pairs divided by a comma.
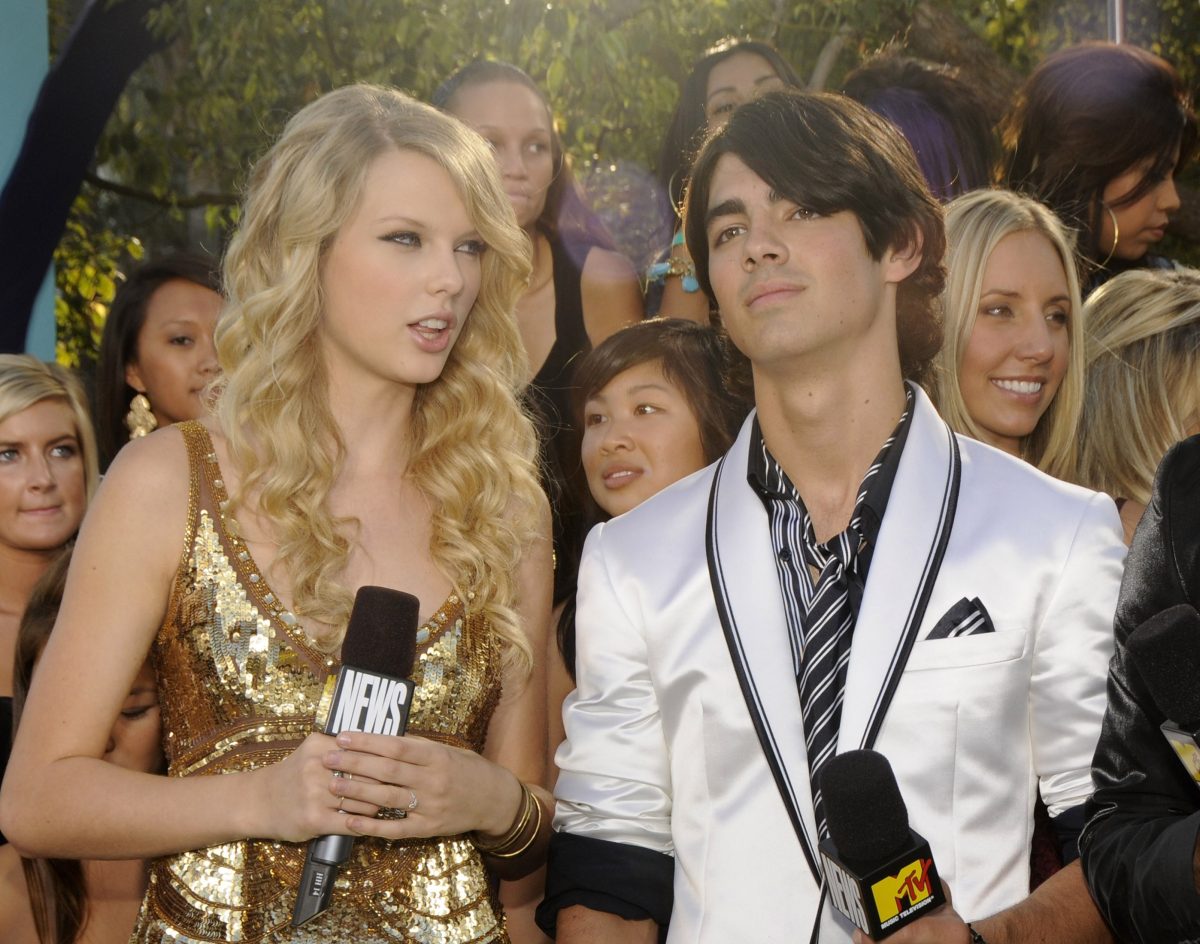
[(195, 438)]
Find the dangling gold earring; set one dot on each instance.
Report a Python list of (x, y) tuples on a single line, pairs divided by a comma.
[(140, 420), (1116, 234)]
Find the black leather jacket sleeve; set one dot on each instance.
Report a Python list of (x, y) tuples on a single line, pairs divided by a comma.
[(1140, 839)]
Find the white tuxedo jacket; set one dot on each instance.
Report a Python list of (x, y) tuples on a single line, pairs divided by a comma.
[(685, 734)]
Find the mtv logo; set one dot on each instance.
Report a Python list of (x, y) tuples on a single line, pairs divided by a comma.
[(897, 893)]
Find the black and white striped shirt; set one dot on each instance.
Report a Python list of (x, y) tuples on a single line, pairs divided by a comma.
[(794, 541)]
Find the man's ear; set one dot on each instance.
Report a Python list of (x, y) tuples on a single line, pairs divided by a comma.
[(902, 261)]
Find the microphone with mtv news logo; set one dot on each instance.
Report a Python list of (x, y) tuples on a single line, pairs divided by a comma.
[(879, 872), (369, 693)]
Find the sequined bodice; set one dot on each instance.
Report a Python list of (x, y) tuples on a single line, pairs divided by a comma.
[(239, 682)]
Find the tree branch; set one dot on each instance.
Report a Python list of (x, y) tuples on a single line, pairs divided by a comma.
[(174, 201), (827, 57)]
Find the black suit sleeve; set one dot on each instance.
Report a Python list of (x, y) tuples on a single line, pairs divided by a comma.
[(108, 42), (1138, 845), (613, 877)]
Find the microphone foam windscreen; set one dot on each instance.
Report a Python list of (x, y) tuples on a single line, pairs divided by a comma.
[(381, 637), (867, 818), (1166, 651)]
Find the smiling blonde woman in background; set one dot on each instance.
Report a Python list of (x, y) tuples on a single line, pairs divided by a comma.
[(1010, 372)]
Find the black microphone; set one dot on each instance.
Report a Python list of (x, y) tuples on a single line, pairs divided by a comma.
[(1165, 650), (879, 872), (369, 693)]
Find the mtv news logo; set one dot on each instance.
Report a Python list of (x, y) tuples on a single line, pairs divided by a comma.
[(884, 900), (373, 704), (898, 896)]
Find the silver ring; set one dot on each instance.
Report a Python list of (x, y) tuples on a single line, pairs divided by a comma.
[(412, 804), (341, 800)]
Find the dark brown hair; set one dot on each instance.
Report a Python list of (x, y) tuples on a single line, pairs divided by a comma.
[(685, 133), (692, 358), (941, 115), (57, 888), (1085, 116), (829, 154)]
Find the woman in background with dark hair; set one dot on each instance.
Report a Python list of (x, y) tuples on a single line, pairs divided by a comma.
[(156, 353), (941, 115), (1098, 133), (655, 407), (64, 901), (731, 72), (581, 289)]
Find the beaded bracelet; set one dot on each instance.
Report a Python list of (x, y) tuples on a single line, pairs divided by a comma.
[(976, 937), (502, 848), (680, 266), (676, 266)]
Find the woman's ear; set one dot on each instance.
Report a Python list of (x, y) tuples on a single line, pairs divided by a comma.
[(134, 378)]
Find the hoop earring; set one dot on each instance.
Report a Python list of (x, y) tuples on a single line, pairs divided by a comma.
[(140, 420), (1116, 234), (677, 209)]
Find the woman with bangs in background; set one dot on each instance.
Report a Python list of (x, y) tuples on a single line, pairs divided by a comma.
[(1098, 133)]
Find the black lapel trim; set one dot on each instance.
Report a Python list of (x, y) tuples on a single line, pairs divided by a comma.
[(916, 613), (762, 727)]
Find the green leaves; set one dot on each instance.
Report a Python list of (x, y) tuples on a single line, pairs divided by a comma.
[(194, 118)]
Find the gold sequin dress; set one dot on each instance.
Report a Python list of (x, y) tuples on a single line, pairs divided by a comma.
[(239, 684)]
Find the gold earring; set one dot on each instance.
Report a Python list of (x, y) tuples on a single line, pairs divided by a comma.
[(1116, 234), (140, 420)]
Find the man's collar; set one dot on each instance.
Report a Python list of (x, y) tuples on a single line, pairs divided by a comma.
[(771, 483)]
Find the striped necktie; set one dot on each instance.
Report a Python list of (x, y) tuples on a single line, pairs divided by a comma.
[(828, 633)]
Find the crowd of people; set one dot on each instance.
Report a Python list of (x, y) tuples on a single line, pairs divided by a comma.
[(903, 380)]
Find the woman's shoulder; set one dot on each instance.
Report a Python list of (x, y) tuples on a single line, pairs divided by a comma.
[(159, 460), (610, 292), (150, 485), (607, 266)]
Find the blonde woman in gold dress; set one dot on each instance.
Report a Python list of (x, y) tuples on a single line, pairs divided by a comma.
[(367, 432)]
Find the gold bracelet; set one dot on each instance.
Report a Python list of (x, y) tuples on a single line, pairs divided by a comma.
[(537, 828), (510, 838)]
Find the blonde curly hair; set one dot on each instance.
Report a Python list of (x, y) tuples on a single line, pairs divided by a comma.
[(975, 224), (473, 448)]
